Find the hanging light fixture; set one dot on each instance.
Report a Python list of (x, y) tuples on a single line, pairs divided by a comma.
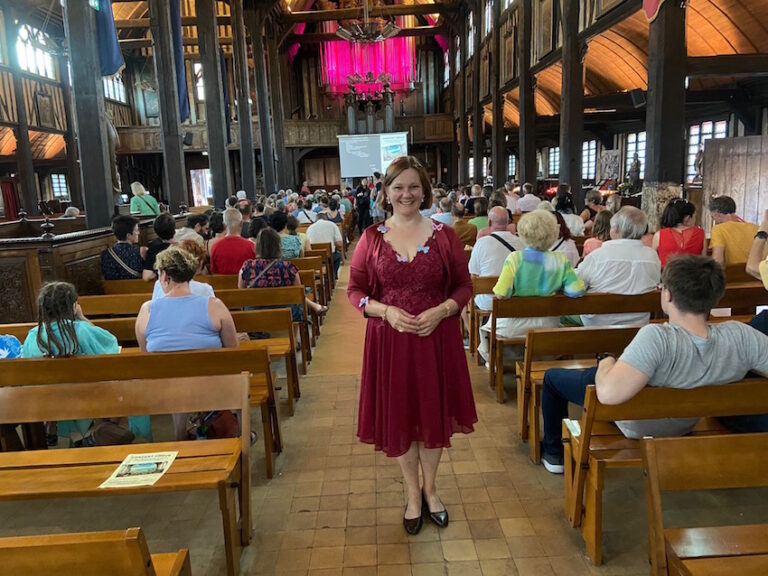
[(368, 31)]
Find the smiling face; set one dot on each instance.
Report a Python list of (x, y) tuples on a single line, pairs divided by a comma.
[(406, 193)]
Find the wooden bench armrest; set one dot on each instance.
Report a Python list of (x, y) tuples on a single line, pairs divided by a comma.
[(172, 563)]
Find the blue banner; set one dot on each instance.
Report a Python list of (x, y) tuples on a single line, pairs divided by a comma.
[(110, 57), (178, 58)]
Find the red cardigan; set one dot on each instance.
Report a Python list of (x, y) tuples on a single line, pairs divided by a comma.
[(363, 281)]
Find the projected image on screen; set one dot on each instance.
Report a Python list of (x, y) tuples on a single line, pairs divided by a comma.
[(362, 155)]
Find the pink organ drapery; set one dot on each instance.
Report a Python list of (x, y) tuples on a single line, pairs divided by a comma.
[(395, 56)]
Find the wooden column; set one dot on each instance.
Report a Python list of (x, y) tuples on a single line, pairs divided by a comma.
[(284, 170), (463, 127), (73, 168), (665, 117), (526, 105), (174, 169), (93, 148), (498, 142), (243, 91), (256, 27), (571, 103), (453, 175), (478, 142), (218, 155), (27, 184)]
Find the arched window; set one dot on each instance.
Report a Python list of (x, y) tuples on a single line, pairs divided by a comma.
[(34, 49)]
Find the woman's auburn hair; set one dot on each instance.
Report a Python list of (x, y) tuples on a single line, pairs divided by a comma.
[(399, 166)]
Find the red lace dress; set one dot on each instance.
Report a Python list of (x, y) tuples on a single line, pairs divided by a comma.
[(686, 241), (413, 388)]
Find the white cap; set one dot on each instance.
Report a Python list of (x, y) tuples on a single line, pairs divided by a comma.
[(241, 194)]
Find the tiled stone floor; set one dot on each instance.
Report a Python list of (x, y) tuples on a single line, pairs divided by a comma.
[(335, 507)]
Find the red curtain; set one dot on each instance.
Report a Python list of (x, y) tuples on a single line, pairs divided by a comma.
[(10, 199)]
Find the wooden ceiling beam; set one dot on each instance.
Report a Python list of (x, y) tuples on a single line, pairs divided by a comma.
[(375, 12), (331, 37), (139, 43), (143, 23), (733, 65)]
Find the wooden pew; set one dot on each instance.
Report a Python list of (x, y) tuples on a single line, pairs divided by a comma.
[(704, 463), (118, 553), (235, 299), (477, 316), (738, 295), (323, 249), (136, 365), (276, 321), (222, 465), (594, 445)]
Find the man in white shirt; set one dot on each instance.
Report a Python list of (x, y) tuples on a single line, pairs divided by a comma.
[(489, 252), (529, 202), (196, 229), (622, 265), (323, 231), (443, 215), (513, 196)]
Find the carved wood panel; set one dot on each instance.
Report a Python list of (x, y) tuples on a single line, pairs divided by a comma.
[(17, 295), (7, 98), (45, 105)]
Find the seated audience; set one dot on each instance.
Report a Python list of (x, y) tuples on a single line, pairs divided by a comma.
[(197, 288), (183, 320), (242, 199), (564, 243), (70, 213), (491, 251), (480, 221), (529, 202), (270, 270), (678, 234), (466, 232), (443, 215), (564, 206), (142, 202), (322, 232), (622, 265), (613, 203), (257, 225), (512, 194), (123, 260), (291, 244), (292, 225), (731, 237), (534, 271), (245, 209), (63, 331), (592, 205), (217, 231), (601, 231), (685, 352), (229, 253), (498, 199), (475, 192), (196, 229), (165, 228), (333, 213), (305, 214)]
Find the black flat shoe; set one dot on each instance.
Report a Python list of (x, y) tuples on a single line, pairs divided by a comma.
[(440, 519), (412, 525)]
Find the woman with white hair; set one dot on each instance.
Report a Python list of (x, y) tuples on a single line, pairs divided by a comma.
[(142, 202), (535, 271)]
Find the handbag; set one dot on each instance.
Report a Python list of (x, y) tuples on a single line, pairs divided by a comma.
[(211, 425)]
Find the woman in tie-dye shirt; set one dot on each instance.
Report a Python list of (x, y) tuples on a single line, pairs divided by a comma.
[(534, 271)]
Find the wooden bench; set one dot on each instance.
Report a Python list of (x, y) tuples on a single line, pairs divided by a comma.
[(273, 321), (594, 444), (222, 465), (481, 285), (235, 299), (704, 463), (117, 553), (738, 296), (323, 249), (136, 365)]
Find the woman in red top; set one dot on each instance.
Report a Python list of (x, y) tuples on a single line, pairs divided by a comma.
[(409, 277), (678, 235)]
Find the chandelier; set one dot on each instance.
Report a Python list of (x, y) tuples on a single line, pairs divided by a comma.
[(367, 31)]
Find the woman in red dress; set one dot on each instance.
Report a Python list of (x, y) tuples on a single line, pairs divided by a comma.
[(409, 277), (678, 234)]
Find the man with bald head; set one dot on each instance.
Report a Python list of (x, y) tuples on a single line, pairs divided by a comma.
[(490, 251)]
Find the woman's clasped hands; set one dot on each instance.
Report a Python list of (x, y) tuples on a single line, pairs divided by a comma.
[(422, 324)]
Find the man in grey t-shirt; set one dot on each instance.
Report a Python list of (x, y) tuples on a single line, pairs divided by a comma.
[(686, 352)]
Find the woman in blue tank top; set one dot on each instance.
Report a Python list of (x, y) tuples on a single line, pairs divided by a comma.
[(182, 320)]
